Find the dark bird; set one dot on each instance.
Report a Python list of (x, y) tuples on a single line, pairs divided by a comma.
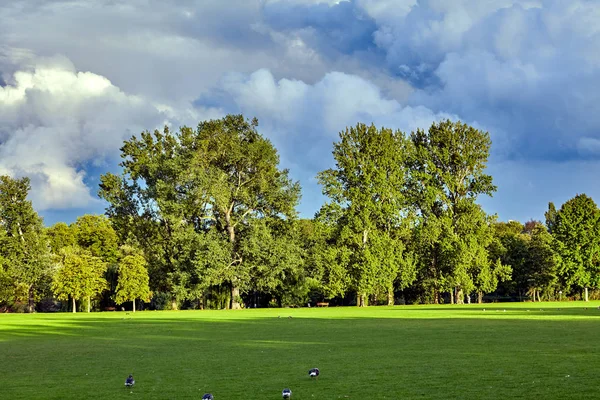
[(286, 393), (314, 373), (129, 382), (208, 396)]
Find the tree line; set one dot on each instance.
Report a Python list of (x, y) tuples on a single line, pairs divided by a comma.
[(206, 218)]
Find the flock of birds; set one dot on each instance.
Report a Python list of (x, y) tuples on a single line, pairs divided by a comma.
[(286, 393)]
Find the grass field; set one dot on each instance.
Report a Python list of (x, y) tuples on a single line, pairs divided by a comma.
[(406, 352)]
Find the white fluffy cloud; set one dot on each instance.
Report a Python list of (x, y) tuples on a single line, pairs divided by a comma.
[(303, 119), (56, 120), (526, 70)]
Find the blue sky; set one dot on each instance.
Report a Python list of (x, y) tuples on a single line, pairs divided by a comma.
[(78, 77)]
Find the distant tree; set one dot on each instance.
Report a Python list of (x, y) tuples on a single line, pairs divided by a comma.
[(24, 246), (133, 280), (577, 231), (60, 235), (96, 234), (326, 261), (198, 188), (542, 262), (79, 276), (366, 186), (447, 174), (530, 226), (550, 217), (511, 246)]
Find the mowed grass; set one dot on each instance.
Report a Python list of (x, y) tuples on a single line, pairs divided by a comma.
[(544, 351)]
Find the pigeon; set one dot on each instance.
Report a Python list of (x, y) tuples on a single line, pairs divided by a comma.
[(129, 382), (286, 393), (208, 396), (314, 373)]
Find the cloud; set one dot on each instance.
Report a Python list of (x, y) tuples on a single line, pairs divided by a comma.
[(56, 119), (303, 120), (525, 70)]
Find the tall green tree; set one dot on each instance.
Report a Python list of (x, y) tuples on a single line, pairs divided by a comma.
[(79, 276), (542, 263), (366, 186), (198, 187), (133, 280), (511, 246), (577, 231), (24, 247), (447, 175)]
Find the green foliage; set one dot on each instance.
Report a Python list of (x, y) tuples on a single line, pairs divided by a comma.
[(365, 190), (60, 235), (24, 248), (133, 279), (96, 234), (447, 174), (184, 195), (577, 232), (80, 275), (542, 261)]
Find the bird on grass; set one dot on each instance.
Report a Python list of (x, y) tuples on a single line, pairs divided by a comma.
[(286, 393), (208, 396), (314, 373), (129, 382)]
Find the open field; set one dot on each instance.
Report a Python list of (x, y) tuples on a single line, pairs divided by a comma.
[(408, 352)]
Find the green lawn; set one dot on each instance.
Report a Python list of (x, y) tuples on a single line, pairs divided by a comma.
[(405, 352)]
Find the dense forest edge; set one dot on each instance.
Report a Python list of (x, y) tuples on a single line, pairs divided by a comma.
[(206, 218)]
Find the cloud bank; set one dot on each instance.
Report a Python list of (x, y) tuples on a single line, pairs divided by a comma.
[(78, 76)]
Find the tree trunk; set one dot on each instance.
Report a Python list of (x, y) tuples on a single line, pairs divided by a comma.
[(30, 305), (74, 305), (235, 295), (586, 294), (436, 291), (173, 304), (539, 298), (468, 296), (133, 305), (235, 290), (390, 297), (89, 304), (460, 297), (452, 296), (480, 297)]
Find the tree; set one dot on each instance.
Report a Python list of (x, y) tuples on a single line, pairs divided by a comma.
[(80, 276), (24, 246), (195, 185), (96, 234), (511, 246), (577, 231), (366, 187), (550, 217), (447, 165), (60, 235), (133, 280), (542, 262)]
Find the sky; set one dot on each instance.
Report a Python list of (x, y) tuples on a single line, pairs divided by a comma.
[(78, 77)]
